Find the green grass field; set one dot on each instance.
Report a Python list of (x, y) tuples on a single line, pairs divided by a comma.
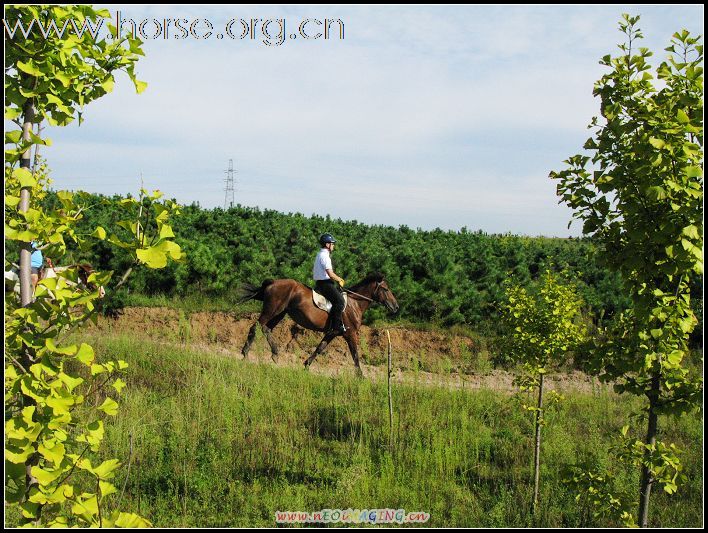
[(222, 442)]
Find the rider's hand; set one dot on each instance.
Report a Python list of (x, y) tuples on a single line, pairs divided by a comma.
[(341, 282)]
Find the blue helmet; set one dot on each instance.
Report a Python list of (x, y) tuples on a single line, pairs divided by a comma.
[(326, 238)]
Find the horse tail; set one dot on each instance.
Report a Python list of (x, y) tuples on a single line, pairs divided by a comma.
[(254, 292)]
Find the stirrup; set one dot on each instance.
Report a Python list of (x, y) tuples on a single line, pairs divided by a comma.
[(339, 331)]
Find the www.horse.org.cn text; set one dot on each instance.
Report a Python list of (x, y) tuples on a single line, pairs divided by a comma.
[(268, 31)]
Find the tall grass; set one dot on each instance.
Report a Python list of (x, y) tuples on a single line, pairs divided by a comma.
[(220, 442)]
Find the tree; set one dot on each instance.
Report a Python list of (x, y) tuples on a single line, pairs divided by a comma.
[(544, 327), (49, 77), (641, 201), (51, 427)]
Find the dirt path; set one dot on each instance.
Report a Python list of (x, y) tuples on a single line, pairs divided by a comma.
[(499, 380), (421, 357)]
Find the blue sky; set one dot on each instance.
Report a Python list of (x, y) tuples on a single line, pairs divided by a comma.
[(424, 116)]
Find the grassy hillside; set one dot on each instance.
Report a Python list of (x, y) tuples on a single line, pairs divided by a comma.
[(222, 442)]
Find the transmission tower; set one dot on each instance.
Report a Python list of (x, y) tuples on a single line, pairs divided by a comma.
[(229, 191)]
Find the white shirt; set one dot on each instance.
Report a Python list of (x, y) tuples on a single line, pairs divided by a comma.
[(323, 262)]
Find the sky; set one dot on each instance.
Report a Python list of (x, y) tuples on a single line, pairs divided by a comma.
[(424, 116)]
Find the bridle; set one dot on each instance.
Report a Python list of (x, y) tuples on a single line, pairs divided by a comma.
[(379, 285)]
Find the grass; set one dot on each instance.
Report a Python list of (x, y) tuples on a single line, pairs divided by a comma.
[(194, 302), (220, 442)]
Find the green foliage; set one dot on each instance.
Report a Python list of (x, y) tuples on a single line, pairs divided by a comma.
[(641, 201), (543, 323), (52, 400), (144, 228), (598, 489), (597, 492), (60, 75), (643, 204), (58, 396), (662, 461), (443, 277), (543, 327)]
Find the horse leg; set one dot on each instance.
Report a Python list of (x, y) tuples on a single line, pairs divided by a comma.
[(267, 328), (320, 348), (249, 341), (353, 343), (295, 331)]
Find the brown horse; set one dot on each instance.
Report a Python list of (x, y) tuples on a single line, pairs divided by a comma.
[(83, 271), (287, 296), (80, 272)]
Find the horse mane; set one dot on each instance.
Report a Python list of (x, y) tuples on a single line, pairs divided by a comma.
[(377, 277)]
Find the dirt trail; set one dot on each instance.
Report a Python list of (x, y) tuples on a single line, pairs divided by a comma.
[(423, 357)]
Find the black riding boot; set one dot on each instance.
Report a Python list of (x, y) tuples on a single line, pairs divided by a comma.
[(336, 324), (329, 289)]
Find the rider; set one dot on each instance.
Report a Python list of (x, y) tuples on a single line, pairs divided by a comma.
[(36, 263), (325, 279)]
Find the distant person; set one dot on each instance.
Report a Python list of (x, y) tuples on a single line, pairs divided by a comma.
[(326, 282), (37, 261)]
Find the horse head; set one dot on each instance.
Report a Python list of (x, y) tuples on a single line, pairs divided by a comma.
[(85, 270), (382, 293)]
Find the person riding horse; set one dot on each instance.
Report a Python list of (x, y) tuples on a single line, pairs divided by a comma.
[(290, 297), (73, 276), (325, 279)]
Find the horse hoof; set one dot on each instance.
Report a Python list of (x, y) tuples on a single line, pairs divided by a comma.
[(274, 357), (306, 366), (245, 355), (359, 373)]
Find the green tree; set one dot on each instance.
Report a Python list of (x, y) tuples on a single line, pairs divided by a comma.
[(641, 201), (543, 328), (53, 391), (446, 277)]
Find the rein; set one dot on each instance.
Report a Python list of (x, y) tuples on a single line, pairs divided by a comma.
[(360, 295), (378, 286)]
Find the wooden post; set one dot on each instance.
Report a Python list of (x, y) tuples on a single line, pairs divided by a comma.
[(537, 448), (390, 398)]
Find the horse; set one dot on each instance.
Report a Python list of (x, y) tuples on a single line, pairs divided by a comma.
[(83, 271), (288, 296)]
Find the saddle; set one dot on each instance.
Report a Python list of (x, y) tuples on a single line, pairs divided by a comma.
[(323, 303)]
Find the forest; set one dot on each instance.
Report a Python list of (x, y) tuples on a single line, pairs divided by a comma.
[(442, 277), (445, 278)]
